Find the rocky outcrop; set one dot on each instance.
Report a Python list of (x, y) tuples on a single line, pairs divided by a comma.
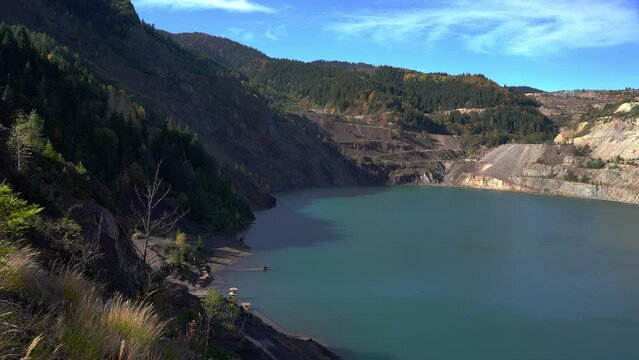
[(626, 107), (607, 137), (479, 181), (568, 107), (549, 169)]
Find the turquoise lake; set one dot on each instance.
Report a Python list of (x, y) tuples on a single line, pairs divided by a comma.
[(413, 273)]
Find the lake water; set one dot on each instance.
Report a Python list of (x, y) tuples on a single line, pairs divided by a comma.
[(440, 273)]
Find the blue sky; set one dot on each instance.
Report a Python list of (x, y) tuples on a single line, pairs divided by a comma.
[(549, 44)]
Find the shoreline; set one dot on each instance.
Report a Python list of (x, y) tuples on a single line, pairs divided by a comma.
[(527, 191), (226, 251), (219, 283)]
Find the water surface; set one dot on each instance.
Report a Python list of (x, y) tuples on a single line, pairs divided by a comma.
[(439, 273)]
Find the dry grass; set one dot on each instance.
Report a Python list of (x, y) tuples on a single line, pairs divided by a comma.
[(136, 325), (119, 329), (80, 331), (20, 271), (87, 327), (32, 346), (73, 287), (18, 328)]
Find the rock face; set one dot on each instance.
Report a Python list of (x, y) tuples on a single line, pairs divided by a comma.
[(548, 169), (607, 137), (627, 107), (568, 107), (391, 156), (597, 125)]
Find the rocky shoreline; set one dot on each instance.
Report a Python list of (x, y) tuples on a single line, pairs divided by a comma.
[(274, 343)]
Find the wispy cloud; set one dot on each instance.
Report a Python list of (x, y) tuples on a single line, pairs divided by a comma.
[(274, 33), (228, 5), (241, 35), (513, 27)]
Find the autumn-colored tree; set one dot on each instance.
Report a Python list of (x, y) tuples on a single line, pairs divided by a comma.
[(182, 245), (26, 138)]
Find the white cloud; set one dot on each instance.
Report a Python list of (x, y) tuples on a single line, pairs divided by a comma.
[(513, 27), (228, 5)]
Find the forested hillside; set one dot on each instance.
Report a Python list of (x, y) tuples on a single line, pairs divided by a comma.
[(45, 81), (414, 100), (223, 51), (113, 141), (265, 149)]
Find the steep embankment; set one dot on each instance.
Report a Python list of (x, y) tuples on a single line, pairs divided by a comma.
[(234, 123), (594, 158), (393, 157), (549, 169), (567, 108)]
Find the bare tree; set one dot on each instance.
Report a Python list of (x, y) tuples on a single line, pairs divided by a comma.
[(148, 220), (90, 249)]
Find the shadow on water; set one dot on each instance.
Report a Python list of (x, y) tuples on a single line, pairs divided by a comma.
[(287, 225), (348, 354), (301, 198)]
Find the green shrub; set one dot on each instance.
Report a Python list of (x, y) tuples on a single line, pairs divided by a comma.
[(15, 213), (570, 176), (595, 164), (50, 153), (581, 150)]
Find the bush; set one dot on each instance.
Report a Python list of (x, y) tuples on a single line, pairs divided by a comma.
[(182, 245), (595, 164), (50, 153), (570, 176), (581, 150), (217, 308)]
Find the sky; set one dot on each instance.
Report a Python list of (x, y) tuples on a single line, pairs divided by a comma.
[(547, 44)]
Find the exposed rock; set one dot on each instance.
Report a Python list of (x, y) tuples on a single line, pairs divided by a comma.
[(609, 138), (626, 107), (487, 182), (204, 280), (544, 169), (567, 107)]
